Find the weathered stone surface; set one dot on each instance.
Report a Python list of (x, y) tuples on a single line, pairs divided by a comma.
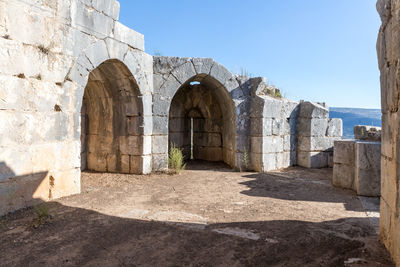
[(313, 159), (335, 128), (368, 168), (313, 110), (369, 133), (343, 176), (344, 152), (357, 166), (344, 164)]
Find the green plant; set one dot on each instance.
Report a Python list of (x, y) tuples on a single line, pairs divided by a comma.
[(246, 159), (277, 93), (41, 215), (176, 159)]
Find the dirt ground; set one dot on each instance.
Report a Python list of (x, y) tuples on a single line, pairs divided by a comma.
[(206, 216)]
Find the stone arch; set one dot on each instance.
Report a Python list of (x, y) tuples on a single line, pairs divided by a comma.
[(135, 66), (202, 120), (111, 116)]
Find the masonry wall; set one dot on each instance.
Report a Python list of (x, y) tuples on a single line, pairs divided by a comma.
[(48, 49), (389, 56)]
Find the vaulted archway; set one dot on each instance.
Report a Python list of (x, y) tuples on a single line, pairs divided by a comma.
[(111, 120), (202, 120)]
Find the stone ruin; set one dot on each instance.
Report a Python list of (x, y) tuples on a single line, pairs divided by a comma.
[(357, 163), (78, 91)]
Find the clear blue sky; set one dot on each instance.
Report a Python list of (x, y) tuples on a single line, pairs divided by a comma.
[(318, 50)]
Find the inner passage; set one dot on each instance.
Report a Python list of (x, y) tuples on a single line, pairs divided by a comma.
[(111, 116), (201, 121)]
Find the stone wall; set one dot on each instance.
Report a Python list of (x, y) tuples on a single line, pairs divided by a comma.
[(203, 89), (357, 166), (48, 49), (388, 45), (273, 131), (317, 133)]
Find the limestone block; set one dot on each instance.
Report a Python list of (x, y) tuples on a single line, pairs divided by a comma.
[(15, 161), (128, 36), (389, 183), (269, 162), (88, 20), (313, 110), (344, 152), (41, 26), (370, 133), (257, 107), (159, 162), (268, 144), (130, 145), (111, 162), (125, 163), (283, 160), (202, 65), (146, 164), (160, 144), (147, 145), (161, 105), (233, 87), (140, 65), (368, 168), (184, 72), (135, 165), (116, 49), (272, 107), (63, 183), (343, 176), (388, 134), (277, 126), (286, 126), (97, 53), (97, 162), (107, 7), (256, 162), (335, 128), (221, 74), (316, 143), (312, 127), (134, 125), (290, 109), (312, 159), (147, 125), (261, 126), (160, 125)]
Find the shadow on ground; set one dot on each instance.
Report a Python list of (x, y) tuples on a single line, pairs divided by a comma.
[(299, 184), (80, 237)]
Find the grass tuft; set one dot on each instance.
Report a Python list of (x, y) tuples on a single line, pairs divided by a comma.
[(42, 215), (176, 159)]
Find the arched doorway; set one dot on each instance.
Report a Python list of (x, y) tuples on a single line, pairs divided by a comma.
[(202, 120), (111, 119)]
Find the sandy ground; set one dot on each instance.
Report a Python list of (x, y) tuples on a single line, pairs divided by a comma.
[(206, 216)]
